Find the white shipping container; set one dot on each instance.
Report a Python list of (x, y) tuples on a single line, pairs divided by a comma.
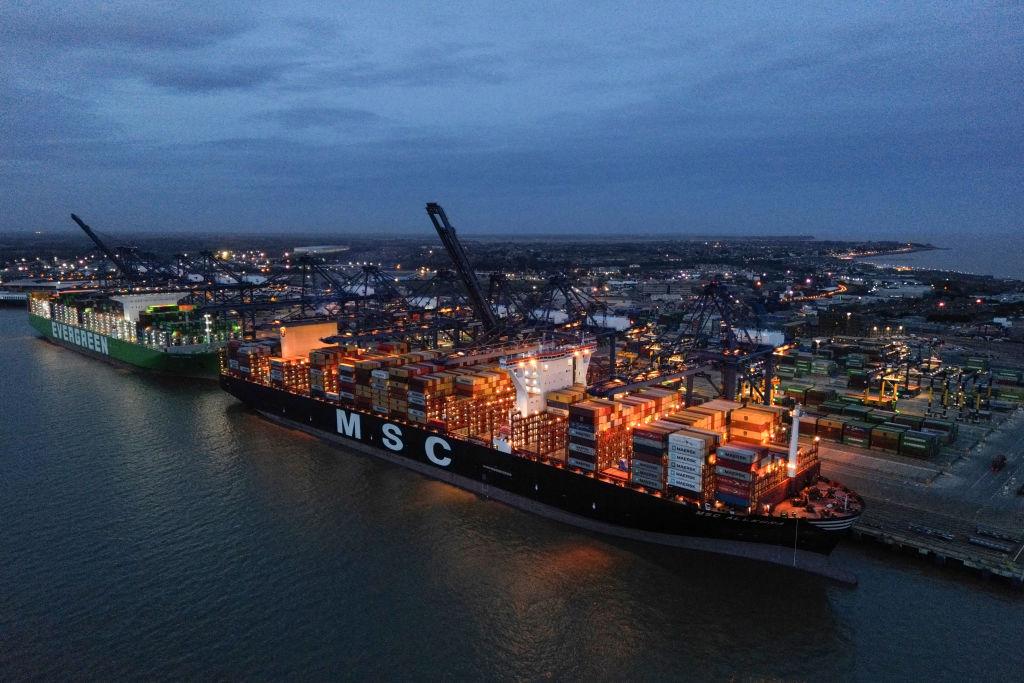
[(685, 469), (743, 455), (692, 484), (688, 452), (688, 459)]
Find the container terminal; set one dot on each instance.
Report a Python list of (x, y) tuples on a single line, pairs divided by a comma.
[(903, 388)]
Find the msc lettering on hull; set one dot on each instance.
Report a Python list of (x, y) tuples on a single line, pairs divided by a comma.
[(79, 337), (434, 447)]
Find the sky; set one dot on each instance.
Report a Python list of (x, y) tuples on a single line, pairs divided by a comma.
[(833, 119)]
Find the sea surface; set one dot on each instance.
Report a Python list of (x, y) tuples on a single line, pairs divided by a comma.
[(156, 529), (999, 255)]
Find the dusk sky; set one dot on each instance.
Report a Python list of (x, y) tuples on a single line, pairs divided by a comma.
[(833, 119)]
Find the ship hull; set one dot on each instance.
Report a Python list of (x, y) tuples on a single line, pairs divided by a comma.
[(553, 492), (203, 365)]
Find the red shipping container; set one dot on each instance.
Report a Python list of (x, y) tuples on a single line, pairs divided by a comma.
[(732, 486), (733, 465)]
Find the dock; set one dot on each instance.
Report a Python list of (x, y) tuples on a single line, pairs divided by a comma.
[(992, 551)]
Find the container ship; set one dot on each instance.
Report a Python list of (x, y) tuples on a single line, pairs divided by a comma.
[(515, 423), (151, 331)]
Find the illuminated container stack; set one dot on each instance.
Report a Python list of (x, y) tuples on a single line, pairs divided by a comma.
[(323, 372), (589, 421), (772, 482), (482, 404), (290, 373), (564, 398), (253, 361), (753, 425), (543, 434), (735, 469), (427, 394), (690, 463), (371, 381), (649, 464), (399, 379)]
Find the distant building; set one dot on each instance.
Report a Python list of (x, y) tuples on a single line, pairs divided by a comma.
[(320, 250)]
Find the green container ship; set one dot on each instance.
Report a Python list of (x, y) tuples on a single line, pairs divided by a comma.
[(151, 331)]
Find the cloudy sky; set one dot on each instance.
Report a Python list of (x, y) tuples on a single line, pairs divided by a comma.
[(895, 119)]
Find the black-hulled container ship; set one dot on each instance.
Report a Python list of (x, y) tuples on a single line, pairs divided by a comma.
[(516, 424)]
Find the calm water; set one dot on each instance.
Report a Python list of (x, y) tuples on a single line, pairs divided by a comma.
[(155, 529), (998, 255)]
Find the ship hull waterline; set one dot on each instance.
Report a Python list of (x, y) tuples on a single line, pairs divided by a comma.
[(552, 492), (120, 353)]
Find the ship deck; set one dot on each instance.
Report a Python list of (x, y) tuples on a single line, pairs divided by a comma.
[(824, 499)]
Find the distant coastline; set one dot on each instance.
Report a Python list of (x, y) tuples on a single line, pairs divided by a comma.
[(903, 251), (996, 258)]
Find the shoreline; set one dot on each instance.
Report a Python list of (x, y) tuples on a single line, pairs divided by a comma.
[(961, 271), (901, 252)]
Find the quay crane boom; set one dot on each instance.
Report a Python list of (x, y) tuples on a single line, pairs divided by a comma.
[(462, 266), (107, 251)]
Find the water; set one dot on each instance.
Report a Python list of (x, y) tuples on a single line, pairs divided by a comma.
[(997, 255), (155, 529)]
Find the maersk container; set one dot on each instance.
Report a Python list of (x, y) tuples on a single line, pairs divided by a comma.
[(747, 456), (588, 465)]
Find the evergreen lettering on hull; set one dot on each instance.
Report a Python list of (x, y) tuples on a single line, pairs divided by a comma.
[(79, 337)]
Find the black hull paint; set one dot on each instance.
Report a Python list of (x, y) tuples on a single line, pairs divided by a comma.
[(542, 488)]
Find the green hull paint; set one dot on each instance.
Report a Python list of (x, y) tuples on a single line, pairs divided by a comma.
[(200, 364)]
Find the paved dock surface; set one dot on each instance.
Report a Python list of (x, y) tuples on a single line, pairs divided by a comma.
[(937, 508)]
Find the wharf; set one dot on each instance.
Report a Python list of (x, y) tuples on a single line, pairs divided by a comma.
[(992, 551), (954, 509)]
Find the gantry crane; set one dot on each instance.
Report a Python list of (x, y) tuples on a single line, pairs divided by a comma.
[(481, 307)]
